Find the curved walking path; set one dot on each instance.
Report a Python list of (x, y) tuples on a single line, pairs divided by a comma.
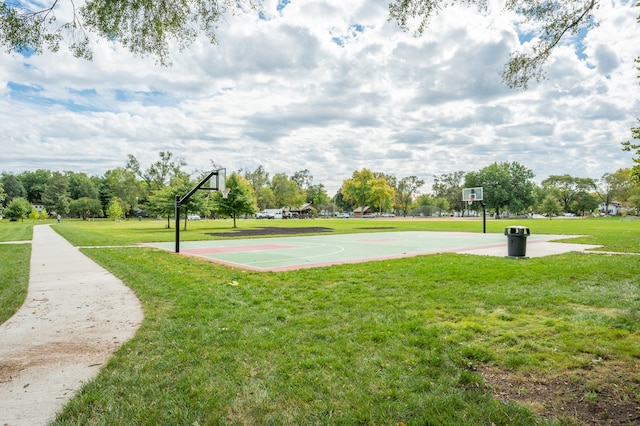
[(74, 318)]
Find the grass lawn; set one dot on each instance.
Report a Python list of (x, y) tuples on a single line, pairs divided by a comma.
[(441, 339), (14, 266)]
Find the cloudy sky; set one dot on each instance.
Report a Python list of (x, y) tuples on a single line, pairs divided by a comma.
[(332, 87)]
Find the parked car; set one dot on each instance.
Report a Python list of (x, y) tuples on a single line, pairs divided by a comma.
[(369, 215), (193, 217), (388, 215), (344, 215)]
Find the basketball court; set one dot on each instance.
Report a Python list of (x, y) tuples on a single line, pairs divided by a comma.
[(290, 253)]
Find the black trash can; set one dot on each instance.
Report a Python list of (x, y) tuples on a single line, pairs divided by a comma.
[(517, 240)]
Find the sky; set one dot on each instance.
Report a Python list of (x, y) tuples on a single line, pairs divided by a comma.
[(332, 87)]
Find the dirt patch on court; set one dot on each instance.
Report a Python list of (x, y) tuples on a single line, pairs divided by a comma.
[(606, 393), (255, 232)]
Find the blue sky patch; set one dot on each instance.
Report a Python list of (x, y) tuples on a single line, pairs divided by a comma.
[(282, 4)]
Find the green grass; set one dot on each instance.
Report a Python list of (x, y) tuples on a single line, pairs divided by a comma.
[(14, 266), (14, 278), (386, 342), (16, 231)]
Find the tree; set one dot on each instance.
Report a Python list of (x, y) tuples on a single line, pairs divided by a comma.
[(629, 146), (359, 189), (550, 21), (635, 134), (145, 28), (550, 206), (634, 200), (449, 186), (239, 201), (382, 194), (158, 174), (317, 195), (407, 187), (181, 185), (115, 209), (81, 186), (13, 188), (163, 203), (303, 179), (121, 183), (260, 183), (56, 194), (33, 214), (18, 208), (35, 183), (505, 185), (586, 202), (610, 186), (3, 196), (286, 191), (85, 206), (568, 188)]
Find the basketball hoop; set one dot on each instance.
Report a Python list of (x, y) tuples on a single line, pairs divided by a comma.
[(225, 192)]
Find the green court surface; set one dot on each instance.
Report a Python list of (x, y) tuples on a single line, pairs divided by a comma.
[(287, 253)]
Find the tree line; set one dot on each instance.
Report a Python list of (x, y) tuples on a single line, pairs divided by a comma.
[(135, 191)]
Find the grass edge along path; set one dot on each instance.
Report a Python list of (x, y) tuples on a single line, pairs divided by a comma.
[(14, 278), (390, 342)]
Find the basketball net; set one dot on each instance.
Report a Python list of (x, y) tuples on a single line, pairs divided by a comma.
[(225, 192)]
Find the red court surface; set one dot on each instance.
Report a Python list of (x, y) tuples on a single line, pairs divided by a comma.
[(289, 253)]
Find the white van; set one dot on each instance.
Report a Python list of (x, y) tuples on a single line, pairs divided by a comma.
[(269, 214)]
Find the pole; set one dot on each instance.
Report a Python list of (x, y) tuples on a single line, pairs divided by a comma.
[(178, 224), (184, 199), (484, 217)]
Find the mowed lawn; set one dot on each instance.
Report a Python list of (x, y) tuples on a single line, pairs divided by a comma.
[(440, 339)]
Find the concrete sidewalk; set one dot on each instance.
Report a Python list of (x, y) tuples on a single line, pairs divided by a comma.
[(75, 316)]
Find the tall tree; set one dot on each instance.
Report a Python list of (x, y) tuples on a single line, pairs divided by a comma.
[(613, 185), (359, 189), (159, 173), (122, 183), (56, 197), (635, 135), (382, 194), (286, 191), (568, 188), (317, 195), (505, 185), (239, 201), (260, 182), (13, 188), (3, 196), (81, 186), (34, 183), (303, 179), (449, 186), (630, 146)]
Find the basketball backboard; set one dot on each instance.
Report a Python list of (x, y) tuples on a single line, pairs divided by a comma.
[(472, 194)]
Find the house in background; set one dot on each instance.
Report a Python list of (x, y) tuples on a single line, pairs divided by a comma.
[(38, 207), (361, 211), (614, 208)]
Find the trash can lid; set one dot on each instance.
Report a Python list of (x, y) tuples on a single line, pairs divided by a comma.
[(515, 229)]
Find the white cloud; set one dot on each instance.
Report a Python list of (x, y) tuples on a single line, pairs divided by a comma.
[(331, 86)]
